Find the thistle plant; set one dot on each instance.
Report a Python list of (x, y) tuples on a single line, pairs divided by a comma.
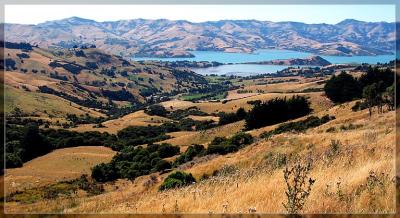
[(298, 185)]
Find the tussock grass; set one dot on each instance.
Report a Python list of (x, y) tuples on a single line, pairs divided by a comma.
[(360, 160)]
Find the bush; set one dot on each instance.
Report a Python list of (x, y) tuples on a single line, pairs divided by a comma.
[(163, 165), (80, 53), (359, 105), (176, 180), (132, 162), (376, 75), (182, 113), (91, 65), (241, 113), (167, 150), (119, 95), (23, 55), (342, 88), (29, 141), (191, 152), (241, 138), (33, 143), (157, 110), (13, 160), (299, 126), (276, 111), (226, 118), (222, 145), (104, 172), (10, 64), (138, 135)]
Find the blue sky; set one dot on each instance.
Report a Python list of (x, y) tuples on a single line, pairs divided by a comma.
[(331, 14)]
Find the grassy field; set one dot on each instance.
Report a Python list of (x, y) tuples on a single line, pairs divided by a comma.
[(318, 102), (352, 157), (202, 137), (200, 96), (138, 118), (42, 104), (356, 176), (59, 165)]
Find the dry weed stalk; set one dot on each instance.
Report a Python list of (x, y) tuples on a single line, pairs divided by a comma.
[(298, 185)]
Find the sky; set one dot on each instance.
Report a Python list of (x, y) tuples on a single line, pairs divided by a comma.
[(330, 14)]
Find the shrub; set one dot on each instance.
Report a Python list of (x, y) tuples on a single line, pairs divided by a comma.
[(376, 75), (167, 150), (222, 145), (119, 95), (10, 64), (241, 113), (157, 110), (28, 142), (359, 105), (33, 143), (104, 172), (226, 118), (331, 129), (132, 162), (80, 53), (91, 65), (191, 152), (176, 180), (276, 160), (182, 113), (299, 126), (276, 111), (13, 160), (23, 55), (342, 88), (137, 135), (163, 165), (241, 139)]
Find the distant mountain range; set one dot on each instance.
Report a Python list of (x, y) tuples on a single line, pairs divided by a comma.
[(167, 38)]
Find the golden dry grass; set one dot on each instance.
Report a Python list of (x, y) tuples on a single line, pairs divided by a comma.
[(257, 86), (138, 118), (299, 86), (369, 147), (39, 103), (233, 94), (318, 102), (203, 118), (61, 164), (204, 136)]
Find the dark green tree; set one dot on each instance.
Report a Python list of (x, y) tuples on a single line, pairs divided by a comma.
[(370, 94), (157, 110), (241, 113), (342, 88), (33, 143)]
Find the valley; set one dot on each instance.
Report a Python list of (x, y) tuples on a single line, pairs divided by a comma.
[(220, 117)]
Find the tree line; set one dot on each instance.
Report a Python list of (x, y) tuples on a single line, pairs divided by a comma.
[(376, 87)]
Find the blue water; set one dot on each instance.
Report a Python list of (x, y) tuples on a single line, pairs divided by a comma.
[(240, 69), (263, 55)]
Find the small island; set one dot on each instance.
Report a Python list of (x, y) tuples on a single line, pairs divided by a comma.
[(308, 61)]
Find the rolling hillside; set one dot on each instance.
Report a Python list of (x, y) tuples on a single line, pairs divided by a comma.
[(253, 178), (90, 78)]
